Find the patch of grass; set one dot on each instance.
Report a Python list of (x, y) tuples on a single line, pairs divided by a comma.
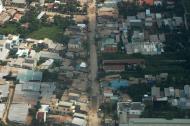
[(46, 32), (9, 28)]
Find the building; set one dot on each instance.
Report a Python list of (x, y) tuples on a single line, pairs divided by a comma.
[(1, 6), (49, 55), (145, 48), (19, 112), (155, 92), (157, 122), (187, 90), (65, 107), (74, 44), (4, 17), (127, 110), (18, 1), (121, 65), (108, 45), (149, 2), (108, 92), (116, 84), (25, 75), (114, 68), (4, 52), (78, 122), (41, 116), (137, 37)]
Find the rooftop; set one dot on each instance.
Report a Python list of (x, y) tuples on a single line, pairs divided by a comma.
[(158, 122), (79, 122)]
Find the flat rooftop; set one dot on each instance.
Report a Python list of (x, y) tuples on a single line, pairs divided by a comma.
[(158, 122)]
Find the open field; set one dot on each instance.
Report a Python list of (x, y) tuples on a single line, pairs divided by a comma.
[(45, 32), (8, 29)]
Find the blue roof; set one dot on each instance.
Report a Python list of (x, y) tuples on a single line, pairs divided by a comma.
[(1, 37), (29, 75), (116, 84)]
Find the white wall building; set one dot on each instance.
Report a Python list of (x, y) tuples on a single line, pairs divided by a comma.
[(1, 6)]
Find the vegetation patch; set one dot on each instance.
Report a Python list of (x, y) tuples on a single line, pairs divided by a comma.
[(45, 32)]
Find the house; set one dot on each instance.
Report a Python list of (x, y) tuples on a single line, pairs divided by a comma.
[(166, 92), (65, 107), (108, 11), (177, 93), (4, 90), (2, 108), (157, 122), (145, 48), (121, 65), (4, 51), (137, 36), (80, 115), (158, 2), (108, 92), (135, 62), (41, 15), (79, 122), (16, 62), (136, 23), (171, 91), (75, 44), (114, 68), (22, 52), (148, 13), (49, 55), (17, 17), (149, 2), (83, 98), (141, 15), (127, 110), (82, 107), (149, 22), (178, 21), (18, 1), (47, 64), (14, 40), (187, 90), (116, 84), (162, 37), (154, 38), (41, 116), (25, 75), (53, 46), (155, 92), (73, 96), (18, 112), (108, 45), (4, 17), (69, 55), (158, 16)]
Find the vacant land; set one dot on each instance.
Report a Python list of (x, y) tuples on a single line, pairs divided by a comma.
[(9, 29), (45, 32)]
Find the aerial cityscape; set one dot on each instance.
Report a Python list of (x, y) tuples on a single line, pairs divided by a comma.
[(94, 62)]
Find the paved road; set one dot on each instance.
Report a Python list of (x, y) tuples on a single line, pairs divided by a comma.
[(93, 119)]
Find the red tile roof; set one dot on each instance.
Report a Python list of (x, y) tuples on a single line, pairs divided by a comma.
[(149, 2), (124, 61), (40, 116)]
